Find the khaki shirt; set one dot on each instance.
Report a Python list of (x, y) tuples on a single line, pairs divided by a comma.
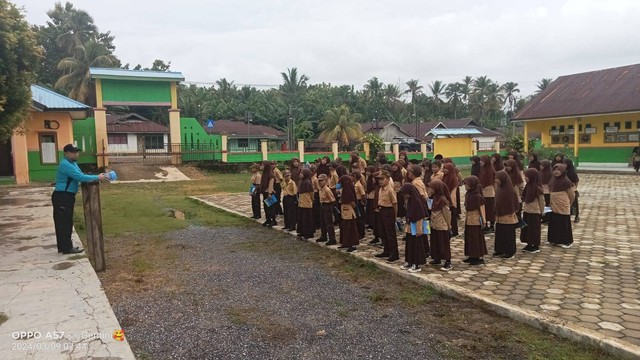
[(489, 191), (441, 219), (545, 189), (422, 190), (333, 180), (474, 216), (326, 196), (289, 188), (315, 183), (360, 165), (439, 175), (360, 193), (387, 197), (277, 174), (348, 211), (535, 207), (507, 219), (306, 200), (561, 201)]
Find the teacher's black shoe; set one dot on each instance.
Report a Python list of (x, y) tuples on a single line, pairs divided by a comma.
[(75, 250)]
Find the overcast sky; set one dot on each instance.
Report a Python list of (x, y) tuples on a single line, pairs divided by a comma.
[(350, 41)]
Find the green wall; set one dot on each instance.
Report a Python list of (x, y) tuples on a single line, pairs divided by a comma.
[(86, 130), (136, 91), (39, 172), (246, 157), (605, 155)]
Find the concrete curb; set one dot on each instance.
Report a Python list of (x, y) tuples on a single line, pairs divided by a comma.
[(553, 325)]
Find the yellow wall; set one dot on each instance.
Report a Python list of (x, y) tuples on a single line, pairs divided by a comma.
[(35, 125), (597, 139), (453, 147)]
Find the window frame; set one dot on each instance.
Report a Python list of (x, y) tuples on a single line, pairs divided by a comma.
[(55, 141)]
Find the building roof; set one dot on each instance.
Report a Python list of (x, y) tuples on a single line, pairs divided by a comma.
[(43, 99), (425, 127), (133, 124), (607, 91), (144, 75), (454, 132), (239, 129)]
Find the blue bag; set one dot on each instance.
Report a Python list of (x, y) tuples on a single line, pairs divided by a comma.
[(414, 229), (270, 200), (426, 229), (252, 189)]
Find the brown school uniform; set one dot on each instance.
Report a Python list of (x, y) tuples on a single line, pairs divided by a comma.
[(290, 203), (255, 197), (362, 198), (348, 228), (326, 214), (386, 200), (438, 176), (532, 215), (489, 194), (440, 225), (559, 231), (475, 245)]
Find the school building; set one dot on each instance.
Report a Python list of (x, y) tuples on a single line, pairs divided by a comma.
[(594, 115)]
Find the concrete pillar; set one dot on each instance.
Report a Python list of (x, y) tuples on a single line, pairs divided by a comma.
[(525, 136), (20, 158), (224, 139), (423, 150), (474, 149), (396, 151), (433, 146), (175, 145), (387, 146), (99, 93), (496, 145), (264, 148), (334, 149), (576, 138), (367, 150), (301, 150), (102, 144)]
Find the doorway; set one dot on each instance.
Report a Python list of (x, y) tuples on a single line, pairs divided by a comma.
[(6, 159)]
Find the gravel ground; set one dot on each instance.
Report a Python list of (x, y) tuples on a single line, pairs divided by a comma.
[(231, 301)]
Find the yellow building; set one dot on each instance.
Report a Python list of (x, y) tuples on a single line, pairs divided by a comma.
[(456, 144), (596, 115), (37, 148)]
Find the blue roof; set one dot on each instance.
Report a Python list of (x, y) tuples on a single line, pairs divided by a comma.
[(453, 132), (144, 75), (45, 100)]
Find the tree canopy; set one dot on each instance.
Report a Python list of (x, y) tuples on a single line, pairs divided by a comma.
[(18, 62)]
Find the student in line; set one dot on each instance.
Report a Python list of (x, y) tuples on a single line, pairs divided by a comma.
[(295, 168), (487, 181), (388, 209), (507, 205), (545, 177), (572, 175), (277, 187), (561, 197), (414, 176), (517, 180), (327, 200), (440, 224), (267, 188), (450, 179), (414, 254), (475, 247), (289, 201), (475, 166), (533, 200), (305, 223), (496, 160), (534, 161), (361, 201), (436, 168), (349, 237), (255, 195)]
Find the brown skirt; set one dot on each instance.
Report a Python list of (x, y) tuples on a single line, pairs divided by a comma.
[(440, 245), (306, 226), (490, 208), (371, 219), (349, 232), (414, 250), (531, 233), (560, 229), (401, 210), (474, 243), (505, 239)]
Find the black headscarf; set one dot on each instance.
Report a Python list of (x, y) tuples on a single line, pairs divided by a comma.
[(305, 184), (473, 199), (267, 175), (416, 207), (571, 171), (533, 189), (348, 190), (475, 165), (506, 198), (545, 172), (535, 162)]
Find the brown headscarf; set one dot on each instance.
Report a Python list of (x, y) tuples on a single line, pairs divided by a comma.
[(396, 176), (348, 190), (324, 168), (426, 168), (451, 177), (416, 208), (305, 184), (533, 189), (441, 196), (371, 180), (562, 182), (514, 172), (506, 198), (487, 172), (473, 199), (267, 175), (545, 172), (295, 170), (498, 165), (516, 158), (475, 166), (535, 162)]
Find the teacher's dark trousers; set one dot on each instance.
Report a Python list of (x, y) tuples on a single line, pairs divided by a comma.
[(63, 203)]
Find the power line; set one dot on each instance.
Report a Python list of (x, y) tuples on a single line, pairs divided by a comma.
[(237, 84)]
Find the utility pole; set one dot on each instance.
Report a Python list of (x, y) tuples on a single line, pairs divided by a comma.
[(289, 129)]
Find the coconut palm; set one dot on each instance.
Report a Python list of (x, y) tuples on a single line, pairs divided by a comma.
[(292, 90), (510, 89), (76, 76), (542, 84), (374, 92), (466, 88), (437, 89), (339, 124), (414, 90), (454, 95)]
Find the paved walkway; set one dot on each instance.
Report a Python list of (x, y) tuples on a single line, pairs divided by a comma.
[(589, 292), (54, 303)]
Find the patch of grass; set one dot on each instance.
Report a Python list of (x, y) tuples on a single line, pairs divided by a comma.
[(417, 296), (379, 296), (77, 257), (545, 346), (3, 318), (140, 264)]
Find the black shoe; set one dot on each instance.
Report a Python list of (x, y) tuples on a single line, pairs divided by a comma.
[(467, 260), (75, 250), (447, 266), (374, 241), (352, 249), (381, 255), (497, 254), (435, 262), (508, 256), (577, 219), (331, 242), (486, 230), (266, 223), (393, 258), (476, 262), (321, 240), (527, 248), (343, 246)]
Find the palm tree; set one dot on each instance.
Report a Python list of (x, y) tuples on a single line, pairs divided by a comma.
[(466, 88), (375, 97), (437, 89), (414, 90), (391, 97), (76, 76), (510, 89), (454, 94), (339, 124), (225, 88), (78, 26), (542, 84), (292, 90)]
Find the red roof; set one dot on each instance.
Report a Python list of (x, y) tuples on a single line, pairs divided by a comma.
[(237, 128), (596, 92), (133, 124)]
